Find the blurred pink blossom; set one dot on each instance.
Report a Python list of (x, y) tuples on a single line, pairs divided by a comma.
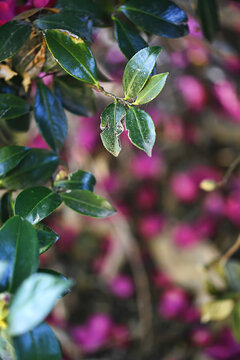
[(214, 204), (38, 142), (146, 197), (7, 10), (232, 207), (120, 335), (185, 235), (161, 279), (122, 286), (205, 226), (226, 93), (224, 347), (194, 27), (184, 187), (173, 303), (151, 225), (201, 336), (192, 91), (144, 167), (86, 135)]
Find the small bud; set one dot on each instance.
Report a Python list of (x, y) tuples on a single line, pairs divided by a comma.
[(208, 185)]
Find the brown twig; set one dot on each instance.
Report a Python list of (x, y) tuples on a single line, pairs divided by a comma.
[(229, 172)]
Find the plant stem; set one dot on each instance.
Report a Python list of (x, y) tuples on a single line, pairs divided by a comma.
[(115, 97)]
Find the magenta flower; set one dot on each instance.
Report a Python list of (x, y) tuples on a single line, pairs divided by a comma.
[(173, 303), (214, 204), (144, 167), (226, 94), (151, 225), (122, 286), (185, 235), (184, 187), (225, 347), (194, 28), (232, 208), (192, 91), (146, 197), (7, 10), (201, 336)]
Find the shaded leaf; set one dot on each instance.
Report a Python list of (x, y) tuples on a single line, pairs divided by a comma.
[(46, 237), (81, 180), (50, 117), (232, 268), (208, 13), (39, 343), (19, 124), (13, 35), (128, 38), (111, 124), (10, 157), (38, 292), (138, 70), (36, 203), (75, 96), (235, 321), (163, 18), (6, 207), (19, 247), (35, 169), (87, 203), (152, 88), (73, 55), (141, 129), (69, 20), (12, 106)]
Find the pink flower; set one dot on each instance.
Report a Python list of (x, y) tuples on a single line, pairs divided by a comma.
[(201, 336), (144, 167), (7, 10), (38, 142), (122, 286), (86, 135), (173, 303), (194, 28), (151, 225), (232, 208), (184, 187), (184, 235), (146, 197), (120, 335), (205, 227), (225, 347), (226, 94), (161, 279), (192, 91), (214, 204)]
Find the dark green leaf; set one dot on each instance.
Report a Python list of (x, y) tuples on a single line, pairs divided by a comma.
[(33, 301), (87, 203), (235, 321), (39, 343), (232, 268), (208, 13), (67, 20), (141, 129), (81, 180), (35, 169), (50, 117), (19, 124), (128, 38), (6, 207), (111, 124), (138, 70), (152, 88), (19, 247), (73, 55), (10, 157), (163, 18), (13, 35), (75, 96), (46, 237), (36, 203), (12, 106)]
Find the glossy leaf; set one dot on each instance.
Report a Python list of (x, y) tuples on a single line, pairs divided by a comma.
[(87, 203), (232, 268), (208, 13), (81, 180), (138, 70), (13, 35), (35, 169), (163, 18), (38, 292), (6, 207), (55, 273), (39, 343), (67, 20), (46, 237), (76, 97), (128, 38), (12, 106), (50, 117), (19, 247), (152, 88), (111, 124), (3, 267), (36, 203), (141, 129), (73, 55), (10, 157), (235, 321)]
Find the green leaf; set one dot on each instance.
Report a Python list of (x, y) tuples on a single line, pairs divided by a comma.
[(55, 273), (6, 207), (128, 38), (13, 35), (36, 203), (50, 117), (19, 124), (12, 106), (111, 124), (235, 321), (208, 13), (232, 268), (3, 268), (163, 18), (35, 169), (76, 97), (87, 203), (33, 301), (152, 88), (138, 70), (141, 129), (73, 55), (67, 20), (10, 157), (46, 237), (19, 247), (81, 180), (39, 343)]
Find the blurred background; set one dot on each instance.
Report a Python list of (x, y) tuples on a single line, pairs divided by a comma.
[(140, 276)]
